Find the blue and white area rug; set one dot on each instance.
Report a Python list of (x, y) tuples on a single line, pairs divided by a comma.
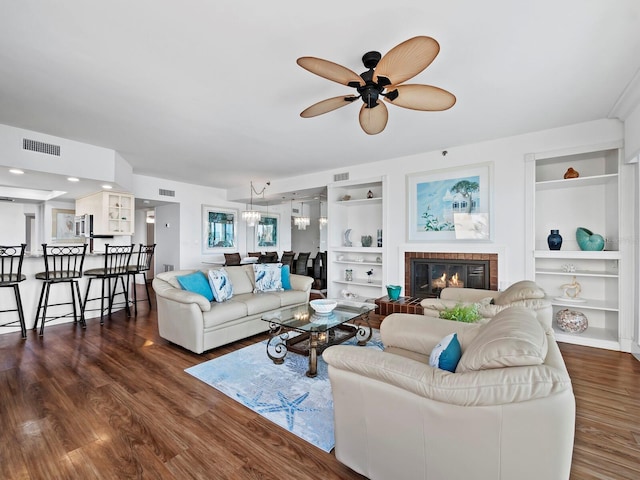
[(280, 393)]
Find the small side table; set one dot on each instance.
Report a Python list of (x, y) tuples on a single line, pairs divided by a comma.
[(402, 305)]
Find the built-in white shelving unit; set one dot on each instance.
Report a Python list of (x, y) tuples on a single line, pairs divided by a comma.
[(592, 201), (351, 209)]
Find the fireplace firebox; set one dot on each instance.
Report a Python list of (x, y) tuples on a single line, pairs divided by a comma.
[(427, 273), (431, 276)]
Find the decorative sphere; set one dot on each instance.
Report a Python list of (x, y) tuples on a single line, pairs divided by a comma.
[(571, 321)]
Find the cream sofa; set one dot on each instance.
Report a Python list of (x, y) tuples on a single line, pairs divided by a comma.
[(191, 321), (524, 293), (507, 413)]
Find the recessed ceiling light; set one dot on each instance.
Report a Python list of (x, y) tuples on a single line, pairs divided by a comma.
[(108, 187), (73, 179), (16, 171)]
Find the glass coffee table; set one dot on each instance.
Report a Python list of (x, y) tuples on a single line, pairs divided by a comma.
[(316, 332)]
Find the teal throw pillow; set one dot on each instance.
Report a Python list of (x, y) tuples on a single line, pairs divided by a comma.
[(220, 285), (447, 353), (196, 282), (284, 276)]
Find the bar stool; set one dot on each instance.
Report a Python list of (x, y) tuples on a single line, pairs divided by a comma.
[(62, 264), (141, 267), (11, 257), (116, 263)]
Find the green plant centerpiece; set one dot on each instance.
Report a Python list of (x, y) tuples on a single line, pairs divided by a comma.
[(461, 313)]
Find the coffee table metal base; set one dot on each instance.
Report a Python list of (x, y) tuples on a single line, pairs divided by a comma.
[(314, 343)]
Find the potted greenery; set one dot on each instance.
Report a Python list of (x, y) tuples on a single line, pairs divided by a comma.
[(461, 313)]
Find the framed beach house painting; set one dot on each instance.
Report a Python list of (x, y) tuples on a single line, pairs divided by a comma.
[(450, 204)]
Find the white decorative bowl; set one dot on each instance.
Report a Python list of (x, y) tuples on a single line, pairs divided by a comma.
[(323, 306)]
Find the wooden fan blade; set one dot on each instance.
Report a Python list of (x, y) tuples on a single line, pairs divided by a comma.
[(327, 105), (406, 60), (422, 97), (373, 120), (330, 71)]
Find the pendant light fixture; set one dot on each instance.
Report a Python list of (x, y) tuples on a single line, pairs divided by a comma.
[(322, 220), (302, 222), (252, 216)]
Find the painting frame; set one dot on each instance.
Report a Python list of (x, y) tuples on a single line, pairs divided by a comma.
[(267, 234), (440, 208), (224, 238), (63, 226)]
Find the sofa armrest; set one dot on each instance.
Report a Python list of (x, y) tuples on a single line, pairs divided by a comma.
[(301, 282), (164, 289)]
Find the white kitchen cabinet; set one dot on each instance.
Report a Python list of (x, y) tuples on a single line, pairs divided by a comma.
[(113, 212)]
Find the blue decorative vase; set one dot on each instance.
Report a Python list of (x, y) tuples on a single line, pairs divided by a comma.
[(589, 241), (554, 240)]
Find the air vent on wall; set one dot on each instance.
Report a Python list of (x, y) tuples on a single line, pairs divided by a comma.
[(166, 193), (338, 177), (40, 147)]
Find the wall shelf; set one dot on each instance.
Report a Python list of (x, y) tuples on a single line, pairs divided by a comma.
[(592, 200)]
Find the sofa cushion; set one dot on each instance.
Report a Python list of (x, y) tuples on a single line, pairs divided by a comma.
[(446, 354), (512, 338), (196, 282), (521, 290), (291, 297), (268, 277), (259, 302), (241, 279), (224, 312), (531, 303), (221, 286)]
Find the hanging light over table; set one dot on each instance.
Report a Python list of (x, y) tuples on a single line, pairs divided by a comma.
[(252, 216), (301, 222)]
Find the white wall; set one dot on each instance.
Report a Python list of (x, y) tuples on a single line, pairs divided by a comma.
[(632, 154), (189, 200), (507, 155)]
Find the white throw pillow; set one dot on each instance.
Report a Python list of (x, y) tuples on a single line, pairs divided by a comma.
[(268, 277), (221, 286)]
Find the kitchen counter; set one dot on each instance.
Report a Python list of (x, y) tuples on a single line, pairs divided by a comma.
[(30, 292)]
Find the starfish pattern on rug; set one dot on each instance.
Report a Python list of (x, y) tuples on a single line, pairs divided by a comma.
[(290, 407)]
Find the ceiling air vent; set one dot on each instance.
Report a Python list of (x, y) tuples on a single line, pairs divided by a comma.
[(338, 177), (166, 193), (40, 147)]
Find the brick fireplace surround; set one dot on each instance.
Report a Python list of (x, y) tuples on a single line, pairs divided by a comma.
[(412, 305)]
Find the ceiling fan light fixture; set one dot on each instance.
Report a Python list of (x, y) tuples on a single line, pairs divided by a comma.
[(402, 62)]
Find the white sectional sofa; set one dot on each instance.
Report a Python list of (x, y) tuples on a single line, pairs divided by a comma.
[(191, 321)]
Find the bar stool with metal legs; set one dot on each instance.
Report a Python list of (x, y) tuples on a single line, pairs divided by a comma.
[(116, 264), (11, 257), (62, 264), (141, 267)]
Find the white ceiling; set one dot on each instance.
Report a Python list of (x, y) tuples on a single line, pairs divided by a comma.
[(209, 92)]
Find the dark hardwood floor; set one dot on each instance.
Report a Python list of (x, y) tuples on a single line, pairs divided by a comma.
[(113, 402)]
